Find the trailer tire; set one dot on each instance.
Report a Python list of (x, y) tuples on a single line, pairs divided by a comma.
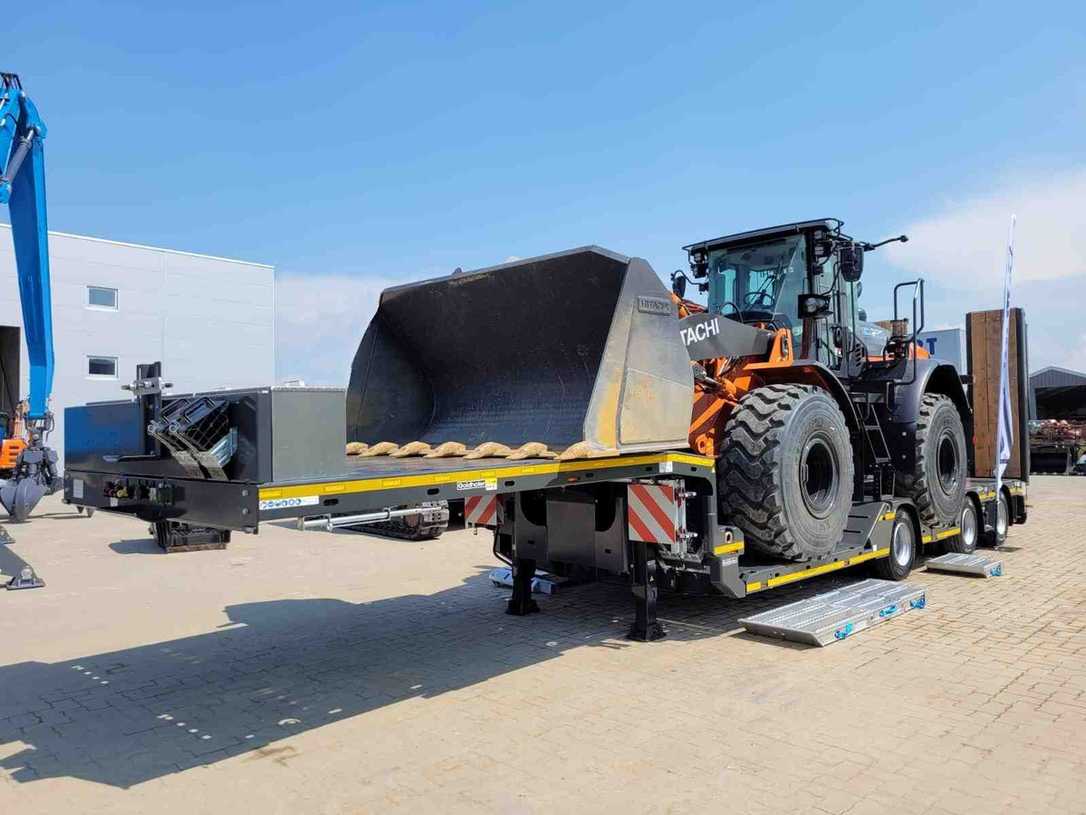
[(998, 535), (786, 474), (965, 542), (937, 484), (898, 564)]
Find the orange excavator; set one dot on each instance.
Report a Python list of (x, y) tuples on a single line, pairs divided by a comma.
[(14, 441)]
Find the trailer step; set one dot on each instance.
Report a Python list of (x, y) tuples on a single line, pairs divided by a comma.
[(978, 565), (836, 615)]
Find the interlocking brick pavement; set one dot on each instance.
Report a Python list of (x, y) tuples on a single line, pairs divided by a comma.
[(308, 672)]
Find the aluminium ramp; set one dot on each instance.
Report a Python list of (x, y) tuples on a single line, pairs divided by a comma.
[(837, 614), (975, 564)]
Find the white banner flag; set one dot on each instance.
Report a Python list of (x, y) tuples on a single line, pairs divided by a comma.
[(1005, 431)]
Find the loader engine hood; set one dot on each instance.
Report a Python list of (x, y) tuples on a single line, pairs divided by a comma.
[(576, 346)]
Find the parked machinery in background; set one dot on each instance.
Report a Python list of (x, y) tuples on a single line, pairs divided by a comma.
[(22, 186)]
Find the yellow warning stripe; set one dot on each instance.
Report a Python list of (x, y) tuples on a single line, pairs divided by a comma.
[(946, 533), (772, 582), (433, 479), (726, 548)]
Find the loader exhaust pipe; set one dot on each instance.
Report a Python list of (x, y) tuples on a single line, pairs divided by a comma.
[(576, 346)]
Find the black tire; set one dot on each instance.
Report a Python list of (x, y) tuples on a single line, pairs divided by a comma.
[(786, 471), (998, 535), (965, 542), (902, 557), (937, 485)]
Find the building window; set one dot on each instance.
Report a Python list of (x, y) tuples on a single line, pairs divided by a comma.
[(101, 297), (102, 367)]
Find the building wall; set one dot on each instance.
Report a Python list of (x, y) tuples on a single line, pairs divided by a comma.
[(211, 321)]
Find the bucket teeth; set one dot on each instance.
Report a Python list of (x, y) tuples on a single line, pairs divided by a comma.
[(583, 449), (532, 449), (490, 449), (449, 449), (412, 448), (380, 449), (356, 448)]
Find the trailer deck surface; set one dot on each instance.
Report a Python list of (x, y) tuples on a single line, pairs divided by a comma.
[(382, 481), (375, 472)]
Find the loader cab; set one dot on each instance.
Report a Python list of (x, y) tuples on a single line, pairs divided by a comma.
[(758, 278)]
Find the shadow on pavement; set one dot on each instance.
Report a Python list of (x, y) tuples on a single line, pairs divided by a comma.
[(286, 666), (136, 546)]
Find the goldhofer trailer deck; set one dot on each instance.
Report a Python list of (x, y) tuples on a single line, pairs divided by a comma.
[(650, 517)]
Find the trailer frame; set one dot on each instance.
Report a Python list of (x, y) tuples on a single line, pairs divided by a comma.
[(719, 563)]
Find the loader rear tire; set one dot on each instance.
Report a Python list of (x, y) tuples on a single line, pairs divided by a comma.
[(786, 471), (937, 484)]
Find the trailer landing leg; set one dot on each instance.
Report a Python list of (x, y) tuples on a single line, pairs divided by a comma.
[(521, 603), (645, 627)]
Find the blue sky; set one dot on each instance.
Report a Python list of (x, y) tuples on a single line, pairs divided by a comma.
[(356, 144)]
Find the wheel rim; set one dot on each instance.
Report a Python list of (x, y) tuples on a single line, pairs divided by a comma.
[(901, 544), (947, 463), (1001, 517), (818, 475), (969, 525)]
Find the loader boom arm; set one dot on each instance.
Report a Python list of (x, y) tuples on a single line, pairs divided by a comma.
[(22, 187)]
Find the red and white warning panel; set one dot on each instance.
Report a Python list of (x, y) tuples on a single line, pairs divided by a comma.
[(656, 512), (481, 510)]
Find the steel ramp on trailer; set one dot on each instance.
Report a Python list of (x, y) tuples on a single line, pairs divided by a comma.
[(835, 615), (975, 564)]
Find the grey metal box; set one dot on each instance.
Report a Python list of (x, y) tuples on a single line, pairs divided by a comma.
[(309, 434)]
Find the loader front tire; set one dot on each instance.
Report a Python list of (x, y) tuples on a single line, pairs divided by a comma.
[(786, 471), (937, 484)]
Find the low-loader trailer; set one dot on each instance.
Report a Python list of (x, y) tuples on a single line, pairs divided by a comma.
[(766, 437)]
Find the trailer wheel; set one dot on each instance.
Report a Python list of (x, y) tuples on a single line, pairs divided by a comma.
[(786, 474), (898, 564), (965, 542), (997, 536), (937, 485)]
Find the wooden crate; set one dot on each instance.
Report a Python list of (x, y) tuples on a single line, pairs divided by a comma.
[(983, 333)]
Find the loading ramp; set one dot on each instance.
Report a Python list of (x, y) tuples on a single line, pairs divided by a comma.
[(836, 615)]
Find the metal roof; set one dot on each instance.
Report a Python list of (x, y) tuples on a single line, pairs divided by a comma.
[(1056, 377), (829, 224)]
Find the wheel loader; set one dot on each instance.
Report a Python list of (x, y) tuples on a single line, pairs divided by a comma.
[(596, 422)]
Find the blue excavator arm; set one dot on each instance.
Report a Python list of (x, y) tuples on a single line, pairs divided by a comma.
[(22, 188)]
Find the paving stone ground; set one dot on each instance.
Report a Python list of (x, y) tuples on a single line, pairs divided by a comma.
[(316, 673)]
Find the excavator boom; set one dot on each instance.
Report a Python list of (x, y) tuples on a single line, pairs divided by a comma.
[(22, 187)]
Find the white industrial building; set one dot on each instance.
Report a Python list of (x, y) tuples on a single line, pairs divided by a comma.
[(210, 320)]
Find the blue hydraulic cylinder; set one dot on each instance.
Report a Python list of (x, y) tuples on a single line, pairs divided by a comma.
[(22, 186)]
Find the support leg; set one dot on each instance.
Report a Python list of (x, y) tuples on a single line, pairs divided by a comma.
[(645, 627), (521, 603)]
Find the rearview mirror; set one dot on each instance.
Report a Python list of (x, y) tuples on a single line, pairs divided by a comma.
[(850, 261)]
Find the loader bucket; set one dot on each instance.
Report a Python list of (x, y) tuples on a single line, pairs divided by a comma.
[(577, 346)]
